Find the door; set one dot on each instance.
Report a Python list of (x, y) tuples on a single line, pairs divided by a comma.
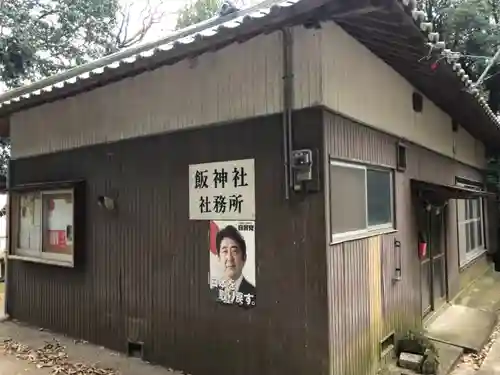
[(432, 267)]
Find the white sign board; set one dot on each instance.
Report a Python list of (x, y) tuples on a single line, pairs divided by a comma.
[(222, 190)]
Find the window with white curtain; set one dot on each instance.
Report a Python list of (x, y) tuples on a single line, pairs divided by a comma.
[(471, 238)]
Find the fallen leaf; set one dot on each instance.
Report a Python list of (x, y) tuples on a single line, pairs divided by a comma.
[(53, 355)]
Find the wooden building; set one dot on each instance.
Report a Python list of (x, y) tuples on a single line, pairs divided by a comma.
[(359, 146)]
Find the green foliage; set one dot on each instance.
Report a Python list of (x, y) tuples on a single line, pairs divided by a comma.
[(430, 365), (4, 155), (493, 172), (472, 27), (197, 11), (416, 342), (39, 38), (468, 26)]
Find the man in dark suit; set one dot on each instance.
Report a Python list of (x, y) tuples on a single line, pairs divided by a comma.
[(232, 253)]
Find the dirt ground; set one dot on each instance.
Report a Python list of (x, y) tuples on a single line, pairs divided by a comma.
[(32, 350), (10, 366), (483, 294), (29, 350)]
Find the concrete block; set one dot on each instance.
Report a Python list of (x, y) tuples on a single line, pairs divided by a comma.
[(410, 361)]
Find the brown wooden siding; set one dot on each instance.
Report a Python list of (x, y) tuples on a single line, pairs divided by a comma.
[(349, 265), (358, 143), (144, 277), (237, 82), (352, 78), (357, 325), (240, 81), (243, 80)]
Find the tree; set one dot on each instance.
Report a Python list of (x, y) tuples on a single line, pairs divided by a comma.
[(148, 15), (472, 28), (197, 11), (39, 38)]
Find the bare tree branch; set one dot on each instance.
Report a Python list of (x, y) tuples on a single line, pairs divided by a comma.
[(46, 14), (148, 16), (123, 20)]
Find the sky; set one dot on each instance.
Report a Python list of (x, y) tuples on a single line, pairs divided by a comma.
[(170, 7)]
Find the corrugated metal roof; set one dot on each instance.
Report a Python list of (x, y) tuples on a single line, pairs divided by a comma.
[(206, 32)]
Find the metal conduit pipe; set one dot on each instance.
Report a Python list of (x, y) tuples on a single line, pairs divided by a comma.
[(288, 94)]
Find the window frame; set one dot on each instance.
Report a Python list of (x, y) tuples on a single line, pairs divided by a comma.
[(369, 230), (466, 257), (38, 255)]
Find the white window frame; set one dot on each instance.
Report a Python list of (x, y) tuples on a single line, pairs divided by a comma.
[(465, 257), (369, 230), (38, 255)]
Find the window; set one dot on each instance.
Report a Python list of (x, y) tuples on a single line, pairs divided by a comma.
[(470, 229), (44, 225), (361, 199)]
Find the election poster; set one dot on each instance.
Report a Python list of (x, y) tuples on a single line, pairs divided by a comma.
[(232, 262)]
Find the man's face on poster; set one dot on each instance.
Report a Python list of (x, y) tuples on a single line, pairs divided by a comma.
[(231, 257)]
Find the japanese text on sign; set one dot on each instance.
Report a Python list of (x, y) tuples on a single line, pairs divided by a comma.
[(222, 190), (228, 294)]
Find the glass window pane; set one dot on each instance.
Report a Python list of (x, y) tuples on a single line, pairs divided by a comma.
[(58, 223), (461, 209), (438, 278), (467, 238), (471, 233), (470, 209), (379, 197), (462, 240), (476, 208), (30, 228), (479, 233), (347, 199), (425, 286)]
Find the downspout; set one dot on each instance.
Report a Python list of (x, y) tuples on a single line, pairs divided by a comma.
[(8, 243), (288, 95)]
